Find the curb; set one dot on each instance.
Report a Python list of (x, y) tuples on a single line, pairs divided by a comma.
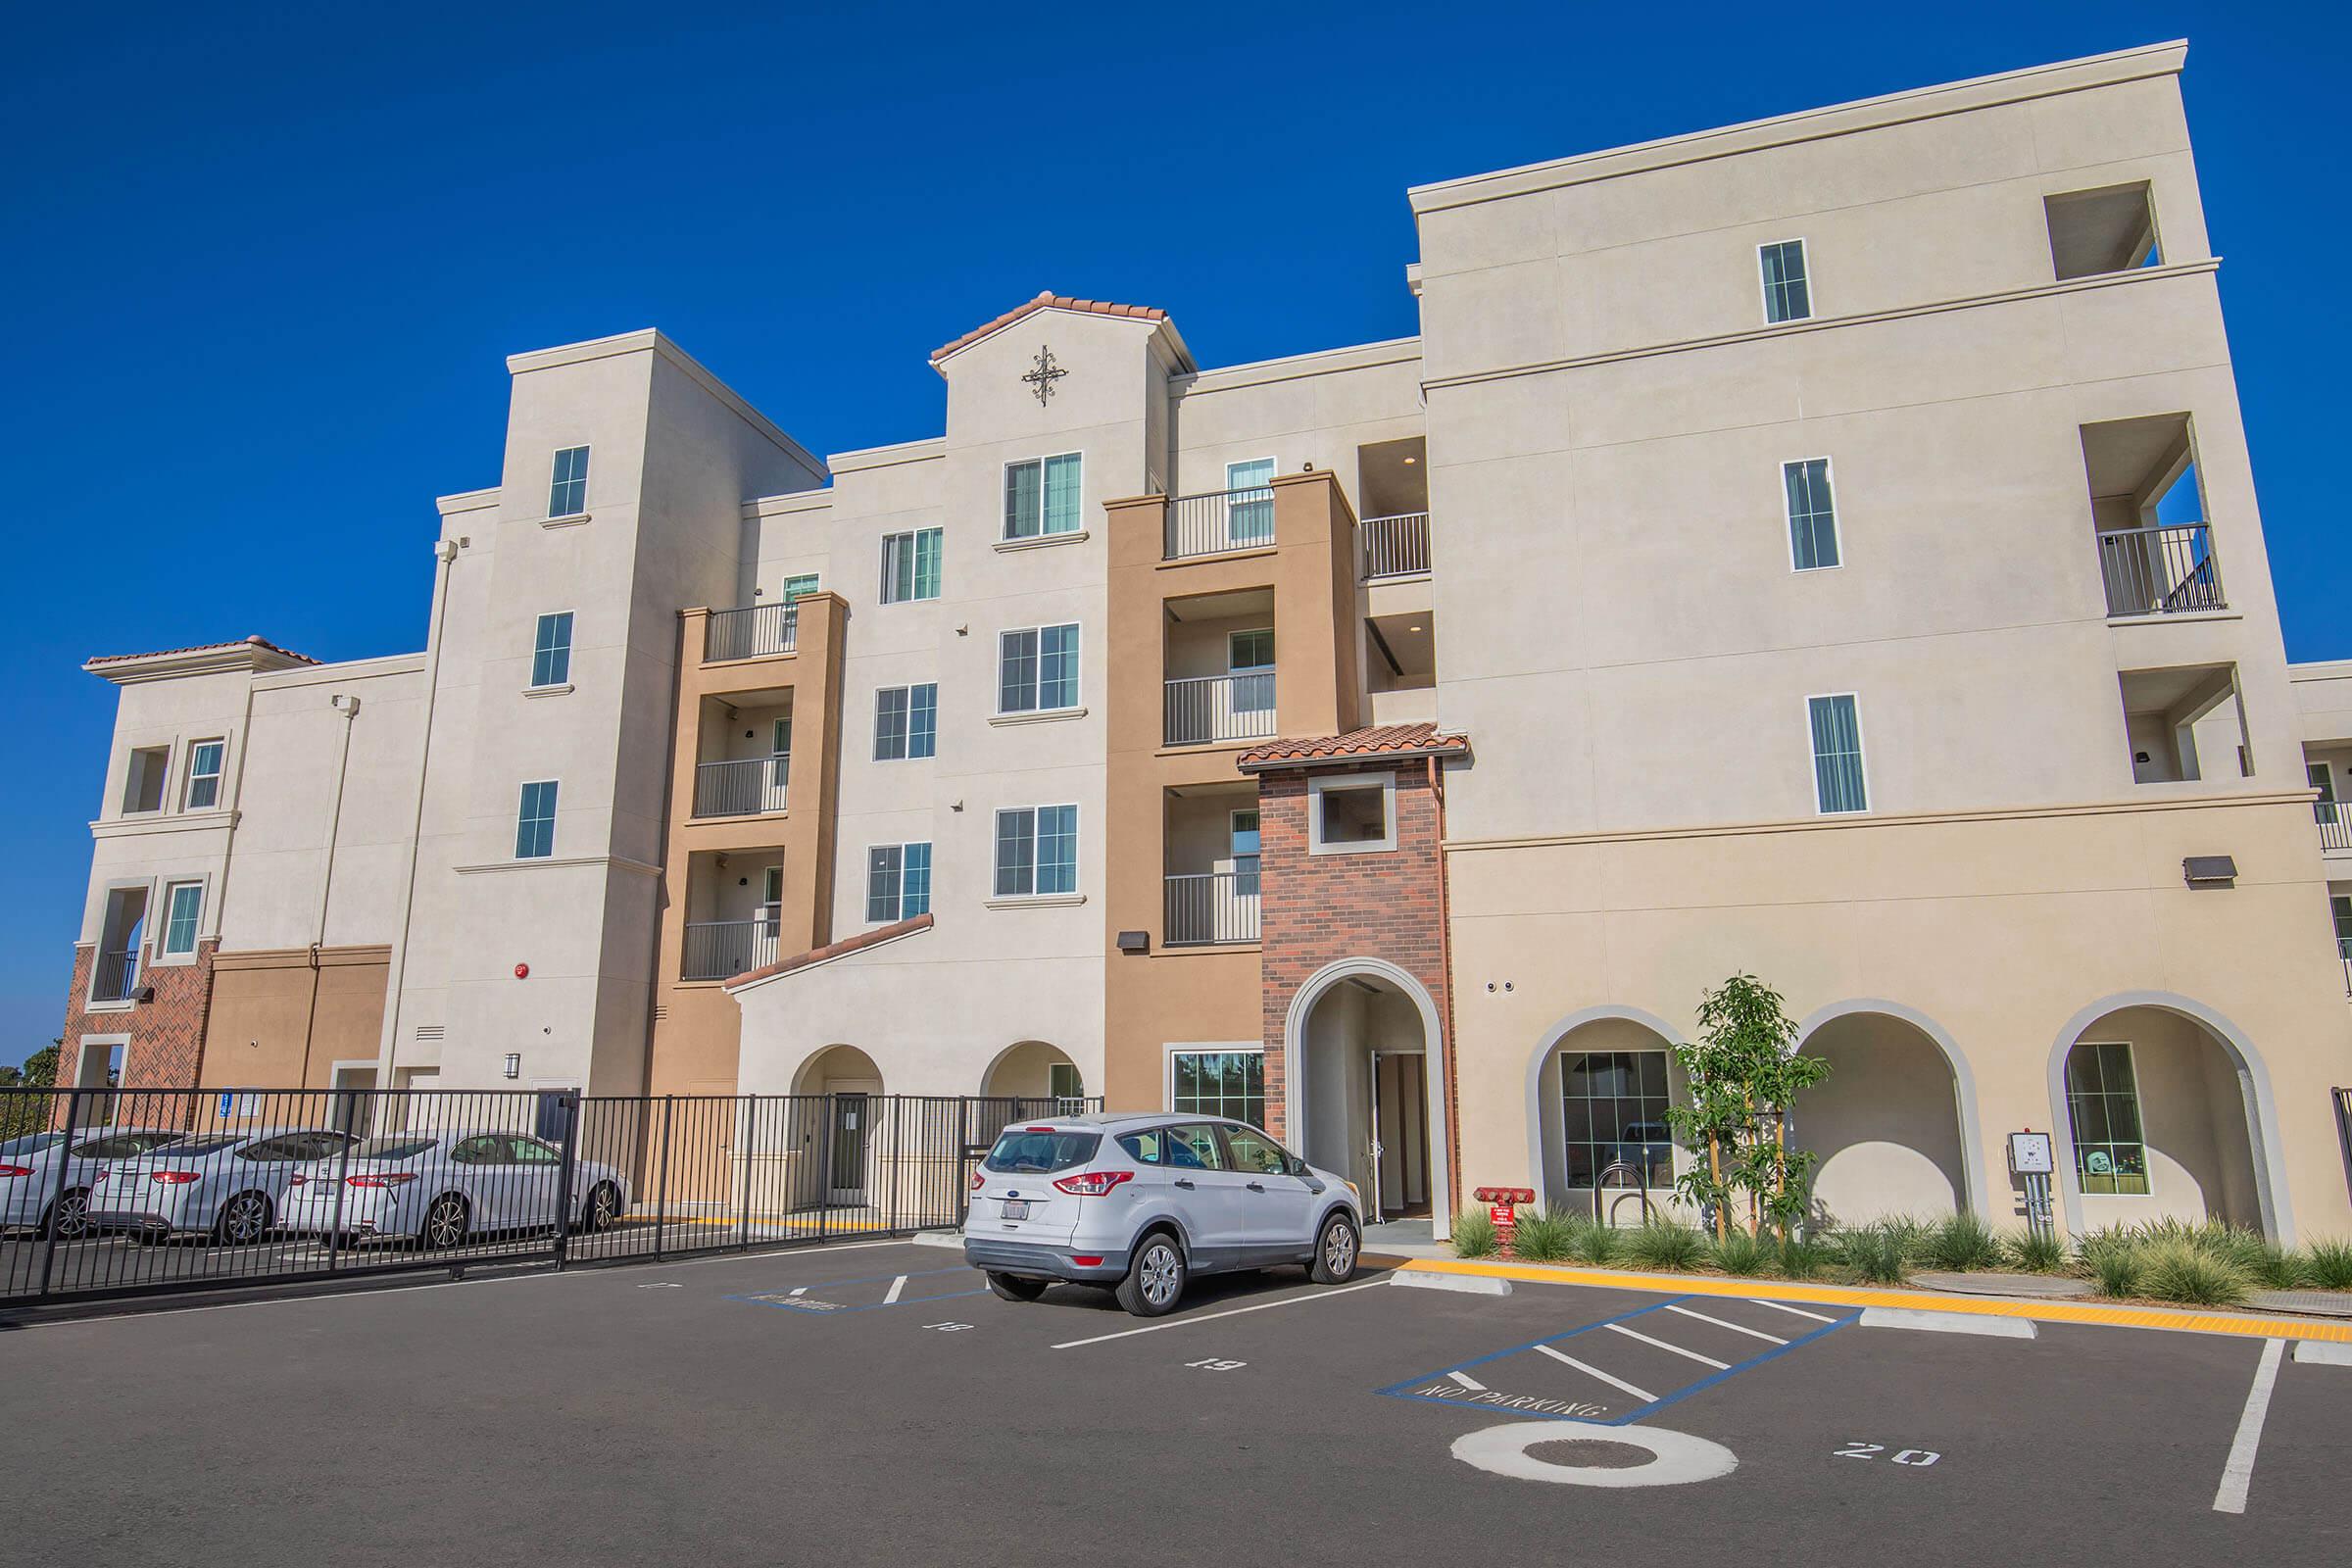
[(2189, 1320)]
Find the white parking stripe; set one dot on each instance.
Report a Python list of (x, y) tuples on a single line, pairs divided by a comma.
[(1753, 1334), (896, 1286), (2238, 1474), (1778, 1306), (798, 1290), (1643, 1394), (1468, 1382), (1230, 1311), (1705, 1361)]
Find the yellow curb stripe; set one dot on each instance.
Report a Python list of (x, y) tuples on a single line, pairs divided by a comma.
[(2183, 1320), (788, 1221)]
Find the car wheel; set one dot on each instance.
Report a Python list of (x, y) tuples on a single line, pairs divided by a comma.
[(1013, 1288), (601, 1209), (1155, 1279), (244, 1219), (1333, 1262), (68, 1218), (445, 1220)]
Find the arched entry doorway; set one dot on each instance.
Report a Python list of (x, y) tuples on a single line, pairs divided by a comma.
[(1034, 1070), (2163, 1112), (1600, 1088), (851, 1084), (1365, 1063), (1895, 1122)]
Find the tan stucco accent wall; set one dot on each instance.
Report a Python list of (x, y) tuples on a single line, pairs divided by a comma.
[(283, 1017)]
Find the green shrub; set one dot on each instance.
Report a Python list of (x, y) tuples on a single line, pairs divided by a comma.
[(1962, 1242), (1737, 1253), (1665, 1244), (1543, 1236), (2327, 1265), (2038, 1253), (2176, 1269), (2111, 1260), (1594, 1242), (2275, 1268), (1879, 1254), (1805, 1258), (1473, 1234)]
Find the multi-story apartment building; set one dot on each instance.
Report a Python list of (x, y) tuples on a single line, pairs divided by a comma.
[(1843, 546)]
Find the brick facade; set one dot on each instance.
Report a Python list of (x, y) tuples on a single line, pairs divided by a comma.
[(167, 1035), (1318, 908)]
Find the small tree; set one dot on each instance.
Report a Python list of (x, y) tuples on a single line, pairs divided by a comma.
[(1742, 1072)]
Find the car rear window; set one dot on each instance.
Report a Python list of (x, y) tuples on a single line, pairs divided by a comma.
[(31, 1144), (1042, 1151), (122, 1146), (388, 1148), (206, 1145)]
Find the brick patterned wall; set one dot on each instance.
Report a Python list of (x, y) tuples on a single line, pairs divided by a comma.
[(167, 1035), (1314, 908)]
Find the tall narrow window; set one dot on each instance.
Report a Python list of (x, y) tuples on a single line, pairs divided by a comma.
[(568, 485), (1788, 297), (551, 649), (1243, 842), (2102, 1105), (1248, 502), (203, 774), (910, 566), (898, 882), (2339, 905), (184, 905), (1042, 496), (1037, 669), (1250, 661), (2322, 780), (535, 821), (1839, 784), (1812, 514), (905, 721), (1037, 851)]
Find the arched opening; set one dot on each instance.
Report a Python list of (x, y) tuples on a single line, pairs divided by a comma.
[(1033, 1071), (1602, 1142), (842, 1145), (1892, 1123), (1365, 1098), (2161, 1112)]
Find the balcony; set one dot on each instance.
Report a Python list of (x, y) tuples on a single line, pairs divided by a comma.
[(116, 977), (1217, 521), (746, 787), (1204, 709), (720, 949), (2335, 834), (1394, 547), (1207, 908), (2165, 570), (754, 631)]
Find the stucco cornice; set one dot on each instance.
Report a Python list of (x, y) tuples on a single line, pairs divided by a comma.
[(650, 340), (1298, 366)]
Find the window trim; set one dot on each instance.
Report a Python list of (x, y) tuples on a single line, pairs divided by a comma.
[(914, 538), (1318, 787), (159, 950), (219, 777), (1861, 749), (1077, 704), (1004, 533), (2139, 1112), (1234, 541), (1170, 1049), (899, 891), (1829, 477), (548, 853), (588, 467), (1074, 894), (1764, 290), (562, 682)]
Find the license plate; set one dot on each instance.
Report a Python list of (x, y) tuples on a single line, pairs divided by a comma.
[(1017, 1209)]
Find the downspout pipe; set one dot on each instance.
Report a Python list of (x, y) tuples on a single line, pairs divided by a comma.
[(445, 552), (349, 707)]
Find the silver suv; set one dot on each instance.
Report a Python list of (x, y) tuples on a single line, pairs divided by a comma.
[(1143, 1202)]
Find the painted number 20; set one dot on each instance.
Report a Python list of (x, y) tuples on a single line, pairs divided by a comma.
[(1870, 1450)]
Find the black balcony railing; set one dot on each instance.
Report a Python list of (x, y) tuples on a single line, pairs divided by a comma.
[(2160, 571), (1395, 547), (1219, 520), (1204, 908), (1204, 709), (116, 977), (750, 632), (745, 787), (721, 950)]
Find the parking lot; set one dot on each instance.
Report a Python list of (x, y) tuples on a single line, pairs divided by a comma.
[(872, 1402)]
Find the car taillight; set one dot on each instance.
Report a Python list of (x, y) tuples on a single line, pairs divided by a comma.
[(390, 1178), (979, 1181), (26, 1170), (175, 1178), (296, 1181), (1092, 1182), (1085, 1259)]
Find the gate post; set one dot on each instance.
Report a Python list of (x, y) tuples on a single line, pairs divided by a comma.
[(963, 1145), (824, 1168), (569, 1100), (57, 1193)]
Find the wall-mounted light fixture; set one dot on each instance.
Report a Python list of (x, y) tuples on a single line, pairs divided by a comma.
[(514, 1063)]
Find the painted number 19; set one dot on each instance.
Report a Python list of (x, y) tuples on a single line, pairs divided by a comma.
[(1872, 1450), (1213, 1364)]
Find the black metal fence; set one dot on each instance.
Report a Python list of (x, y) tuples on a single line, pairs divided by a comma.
[(108, 1192)]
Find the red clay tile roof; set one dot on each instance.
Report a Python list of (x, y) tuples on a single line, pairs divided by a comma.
[(203, 648), (1048, 299), (833, 949), (1382, 739)]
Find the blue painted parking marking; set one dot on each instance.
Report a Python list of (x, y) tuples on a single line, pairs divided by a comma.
[(836, 1297), (1600, 1370)]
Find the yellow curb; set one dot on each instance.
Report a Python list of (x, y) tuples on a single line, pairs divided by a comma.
[(2181, 1319), (788, 1221)]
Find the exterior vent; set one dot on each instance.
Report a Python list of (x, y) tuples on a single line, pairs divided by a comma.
[(431, 1031), (2209, 872)]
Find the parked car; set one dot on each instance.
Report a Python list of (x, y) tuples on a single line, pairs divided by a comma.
[(230, 1184), (1143, 1202), (438, 1188), (29, 1179)]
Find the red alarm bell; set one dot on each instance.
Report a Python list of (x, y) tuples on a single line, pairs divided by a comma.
[(522, 971)]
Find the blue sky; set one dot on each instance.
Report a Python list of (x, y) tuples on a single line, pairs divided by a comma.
[(261, 269)]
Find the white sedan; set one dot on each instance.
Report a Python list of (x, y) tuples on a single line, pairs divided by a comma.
[(438, 1189)]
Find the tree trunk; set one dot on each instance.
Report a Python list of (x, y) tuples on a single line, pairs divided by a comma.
[(1715, 1174)]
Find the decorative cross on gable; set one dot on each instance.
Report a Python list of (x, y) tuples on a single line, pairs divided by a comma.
[(1040, 381)]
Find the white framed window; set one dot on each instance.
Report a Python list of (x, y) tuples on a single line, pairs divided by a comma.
[(1351, 814), (1037, 669), (568, 484), (1218, 1080), (2102, 1109), (898, 882), (1037, 851), (204, 758), (2322, 780), (910, 566), (905, 721), (795, 586), (1249, 661), (535, 821), (1613, 1107), (183, 912), (1043, 496), (1250, 501), (1812, 514), (1788, 289), (551, 649), (1840, 783), (1242, 840)]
